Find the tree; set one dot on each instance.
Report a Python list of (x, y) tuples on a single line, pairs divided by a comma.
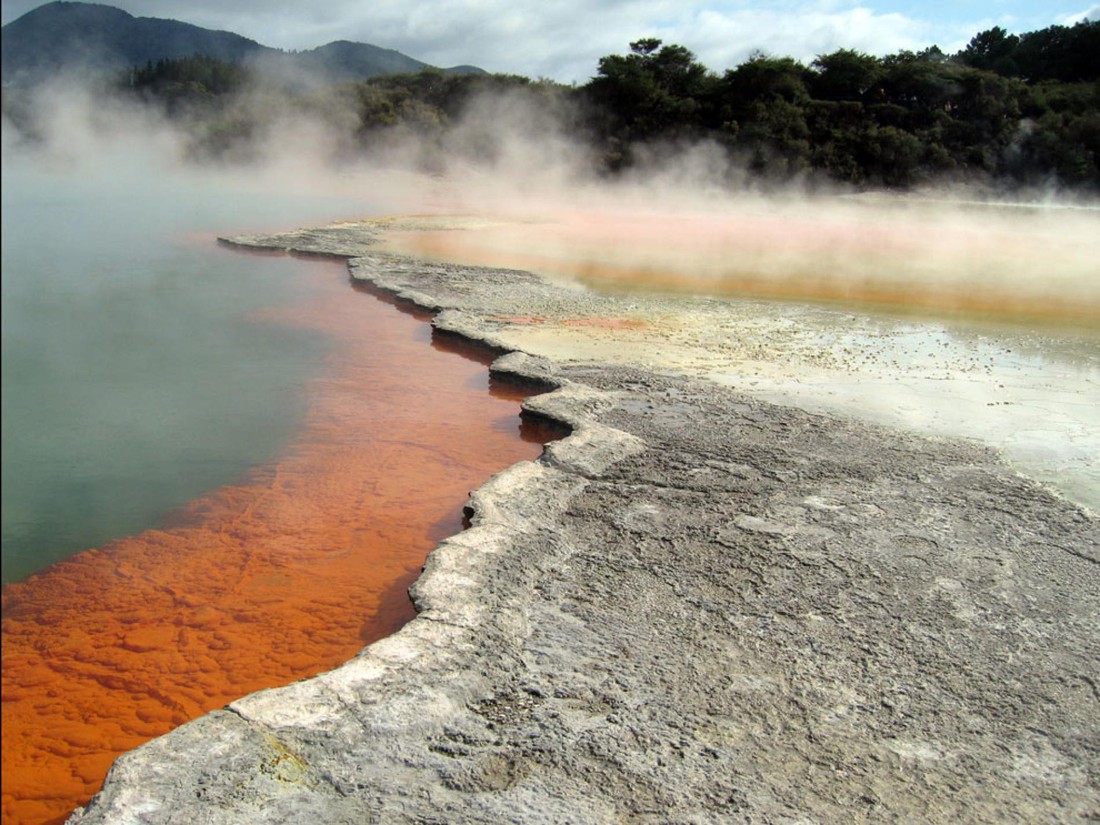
[(992, 50), (655, 91), (1060, 53), (845, 75), (927, 89), (766, 98)]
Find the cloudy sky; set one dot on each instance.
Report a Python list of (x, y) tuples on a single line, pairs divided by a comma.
[(563, 40)]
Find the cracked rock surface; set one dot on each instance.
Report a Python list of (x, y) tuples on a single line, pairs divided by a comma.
[(699, 607)]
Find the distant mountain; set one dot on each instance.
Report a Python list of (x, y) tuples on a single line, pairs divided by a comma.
[(66, 37), (343, 59), (77, 36)]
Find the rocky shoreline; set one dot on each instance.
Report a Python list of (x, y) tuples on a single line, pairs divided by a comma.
[(697, 607)]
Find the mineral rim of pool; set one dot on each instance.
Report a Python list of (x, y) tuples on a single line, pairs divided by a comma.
[(287, 574)]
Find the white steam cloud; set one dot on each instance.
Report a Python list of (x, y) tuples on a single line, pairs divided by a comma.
[(685, 218)]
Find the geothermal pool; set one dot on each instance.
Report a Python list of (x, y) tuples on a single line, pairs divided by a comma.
[(287, 573), (966, 319), (275, 547), (260, 455)]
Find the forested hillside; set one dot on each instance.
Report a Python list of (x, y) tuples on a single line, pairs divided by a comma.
[(72, 39), (1023, 108), (64, 37), (1007, 109)]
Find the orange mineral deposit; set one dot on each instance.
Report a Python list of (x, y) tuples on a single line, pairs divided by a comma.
[(282, 576)]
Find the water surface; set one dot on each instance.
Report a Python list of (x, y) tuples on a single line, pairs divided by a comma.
[(141, 364), (271, 452)]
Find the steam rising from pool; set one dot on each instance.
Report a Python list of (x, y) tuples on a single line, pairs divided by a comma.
[(1020, 262), (951, 264), (821, 276)]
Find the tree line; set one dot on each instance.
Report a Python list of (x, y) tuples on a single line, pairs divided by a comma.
[(1024, 109), (1019, 109)]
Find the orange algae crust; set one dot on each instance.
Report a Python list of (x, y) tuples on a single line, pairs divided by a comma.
[(285, 575)]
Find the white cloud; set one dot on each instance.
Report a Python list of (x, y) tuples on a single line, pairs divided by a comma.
[(1092, 14), (565, 40), (725, 40)]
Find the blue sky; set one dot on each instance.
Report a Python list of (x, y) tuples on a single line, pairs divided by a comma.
[(563, 40)]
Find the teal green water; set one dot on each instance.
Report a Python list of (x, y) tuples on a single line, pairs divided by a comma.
[(135, 374)]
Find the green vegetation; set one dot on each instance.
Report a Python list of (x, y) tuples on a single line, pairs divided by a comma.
[(1007, 109), (1025, 109), (189, 82)]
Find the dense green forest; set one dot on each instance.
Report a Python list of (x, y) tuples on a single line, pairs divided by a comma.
[(1021, 108), (1006, 109)]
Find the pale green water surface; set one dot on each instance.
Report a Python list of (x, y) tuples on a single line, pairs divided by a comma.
[(135, 376)]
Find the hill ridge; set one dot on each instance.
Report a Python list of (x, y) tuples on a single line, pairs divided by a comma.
[(65, 36)]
